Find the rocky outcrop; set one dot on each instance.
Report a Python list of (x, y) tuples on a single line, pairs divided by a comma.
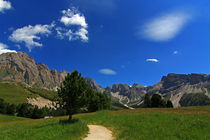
[(41, 102), (20, 67), (172, 86), (94, 85)]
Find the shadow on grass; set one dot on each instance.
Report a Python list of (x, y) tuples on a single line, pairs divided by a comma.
[(68, 121)]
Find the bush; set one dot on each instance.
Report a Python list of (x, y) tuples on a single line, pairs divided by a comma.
[(147, 101), (169, 104), (25, 110), (2, 106), (11, 109), (156, 101), (98, 101), (39, 113)]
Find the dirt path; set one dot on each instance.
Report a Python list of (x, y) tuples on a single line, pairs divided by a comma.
[(97, 132)]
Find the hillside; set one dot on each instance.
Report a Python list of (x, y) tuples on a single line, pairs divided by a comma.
[(140, 124), (22, 69), (17, 93)]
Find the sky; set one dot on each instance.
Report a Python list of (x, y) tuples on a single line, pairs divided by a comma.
[(111, 41)]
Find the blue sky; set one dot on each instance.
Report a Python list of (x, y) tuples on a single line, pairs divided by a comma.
[(111, 41)]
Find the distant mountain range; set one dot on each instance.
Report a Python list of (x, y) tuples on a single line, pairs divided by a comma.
[(181, 89)]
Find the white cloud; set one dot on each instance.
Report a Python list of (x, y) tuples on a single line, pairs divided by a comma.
[(82, 33), (175, 52), (165, 27), (107, 72), (152, 60), (4, 5), (73, 17), (29, 35), (3, 48)]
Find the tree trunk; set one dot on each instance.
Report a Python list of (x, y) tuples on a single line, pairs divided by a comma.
[(70, 117), (70, 114)]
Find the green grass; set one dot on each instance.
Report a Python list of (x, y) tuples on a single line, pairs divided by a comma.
[(5, 118), (14, 93), (43, 130), (48, 94), (192, 123)]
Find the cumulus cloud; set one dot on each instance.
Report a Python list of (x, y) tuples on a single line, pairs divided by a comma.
[(82, 33), (72, 25), (73, 18), (107, 71), (4, 5), (3, 49), (165, 27), (30, 34), (152, 60)]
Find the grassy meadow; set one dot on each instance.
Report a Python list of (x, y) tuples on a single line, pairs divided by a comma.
[(16, 93), (191, 123)]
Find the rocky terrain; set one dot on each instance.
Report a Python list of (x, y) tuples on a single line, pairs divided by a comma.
[(21, 68), (172, 86)]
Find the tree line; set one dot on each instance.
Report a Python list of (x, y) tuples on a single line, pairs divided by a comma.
[(156, 101), (29, 111), (74, 96)]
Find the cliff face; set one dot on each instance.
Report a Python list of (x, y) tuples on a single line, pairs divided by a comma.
[(172, 86), (20, 67)]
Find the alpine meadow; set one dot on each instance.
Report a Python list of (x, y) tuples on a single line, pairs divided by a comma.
[(104, 70)]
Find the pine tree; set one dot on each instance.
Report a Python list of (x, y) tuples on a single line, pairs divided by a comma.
[(147, 101), (169, 104), (156, 100), (73, 93), (2, 106)]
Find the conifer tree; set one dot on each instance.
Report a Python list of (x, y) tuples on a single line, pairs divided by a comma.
[(73, 93)]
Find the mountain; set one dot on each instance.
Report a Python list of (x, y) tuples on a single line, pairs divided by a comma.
[(20, 67), (176, 87), (181, 89), (93, 84)]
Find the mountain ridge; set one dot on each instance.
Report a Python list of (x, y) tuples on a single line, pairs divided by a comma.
[(20, 67)]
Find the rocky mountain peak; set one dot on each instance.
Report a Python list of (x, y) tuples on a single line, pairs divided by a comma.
[(20, 67), (93, 84), (180, 79), (138, 86)]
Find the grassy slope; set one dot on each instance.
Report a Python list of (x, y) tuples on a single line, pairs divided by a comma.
[(51, 95), (5, 118), (140, 124), (15, 93)]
